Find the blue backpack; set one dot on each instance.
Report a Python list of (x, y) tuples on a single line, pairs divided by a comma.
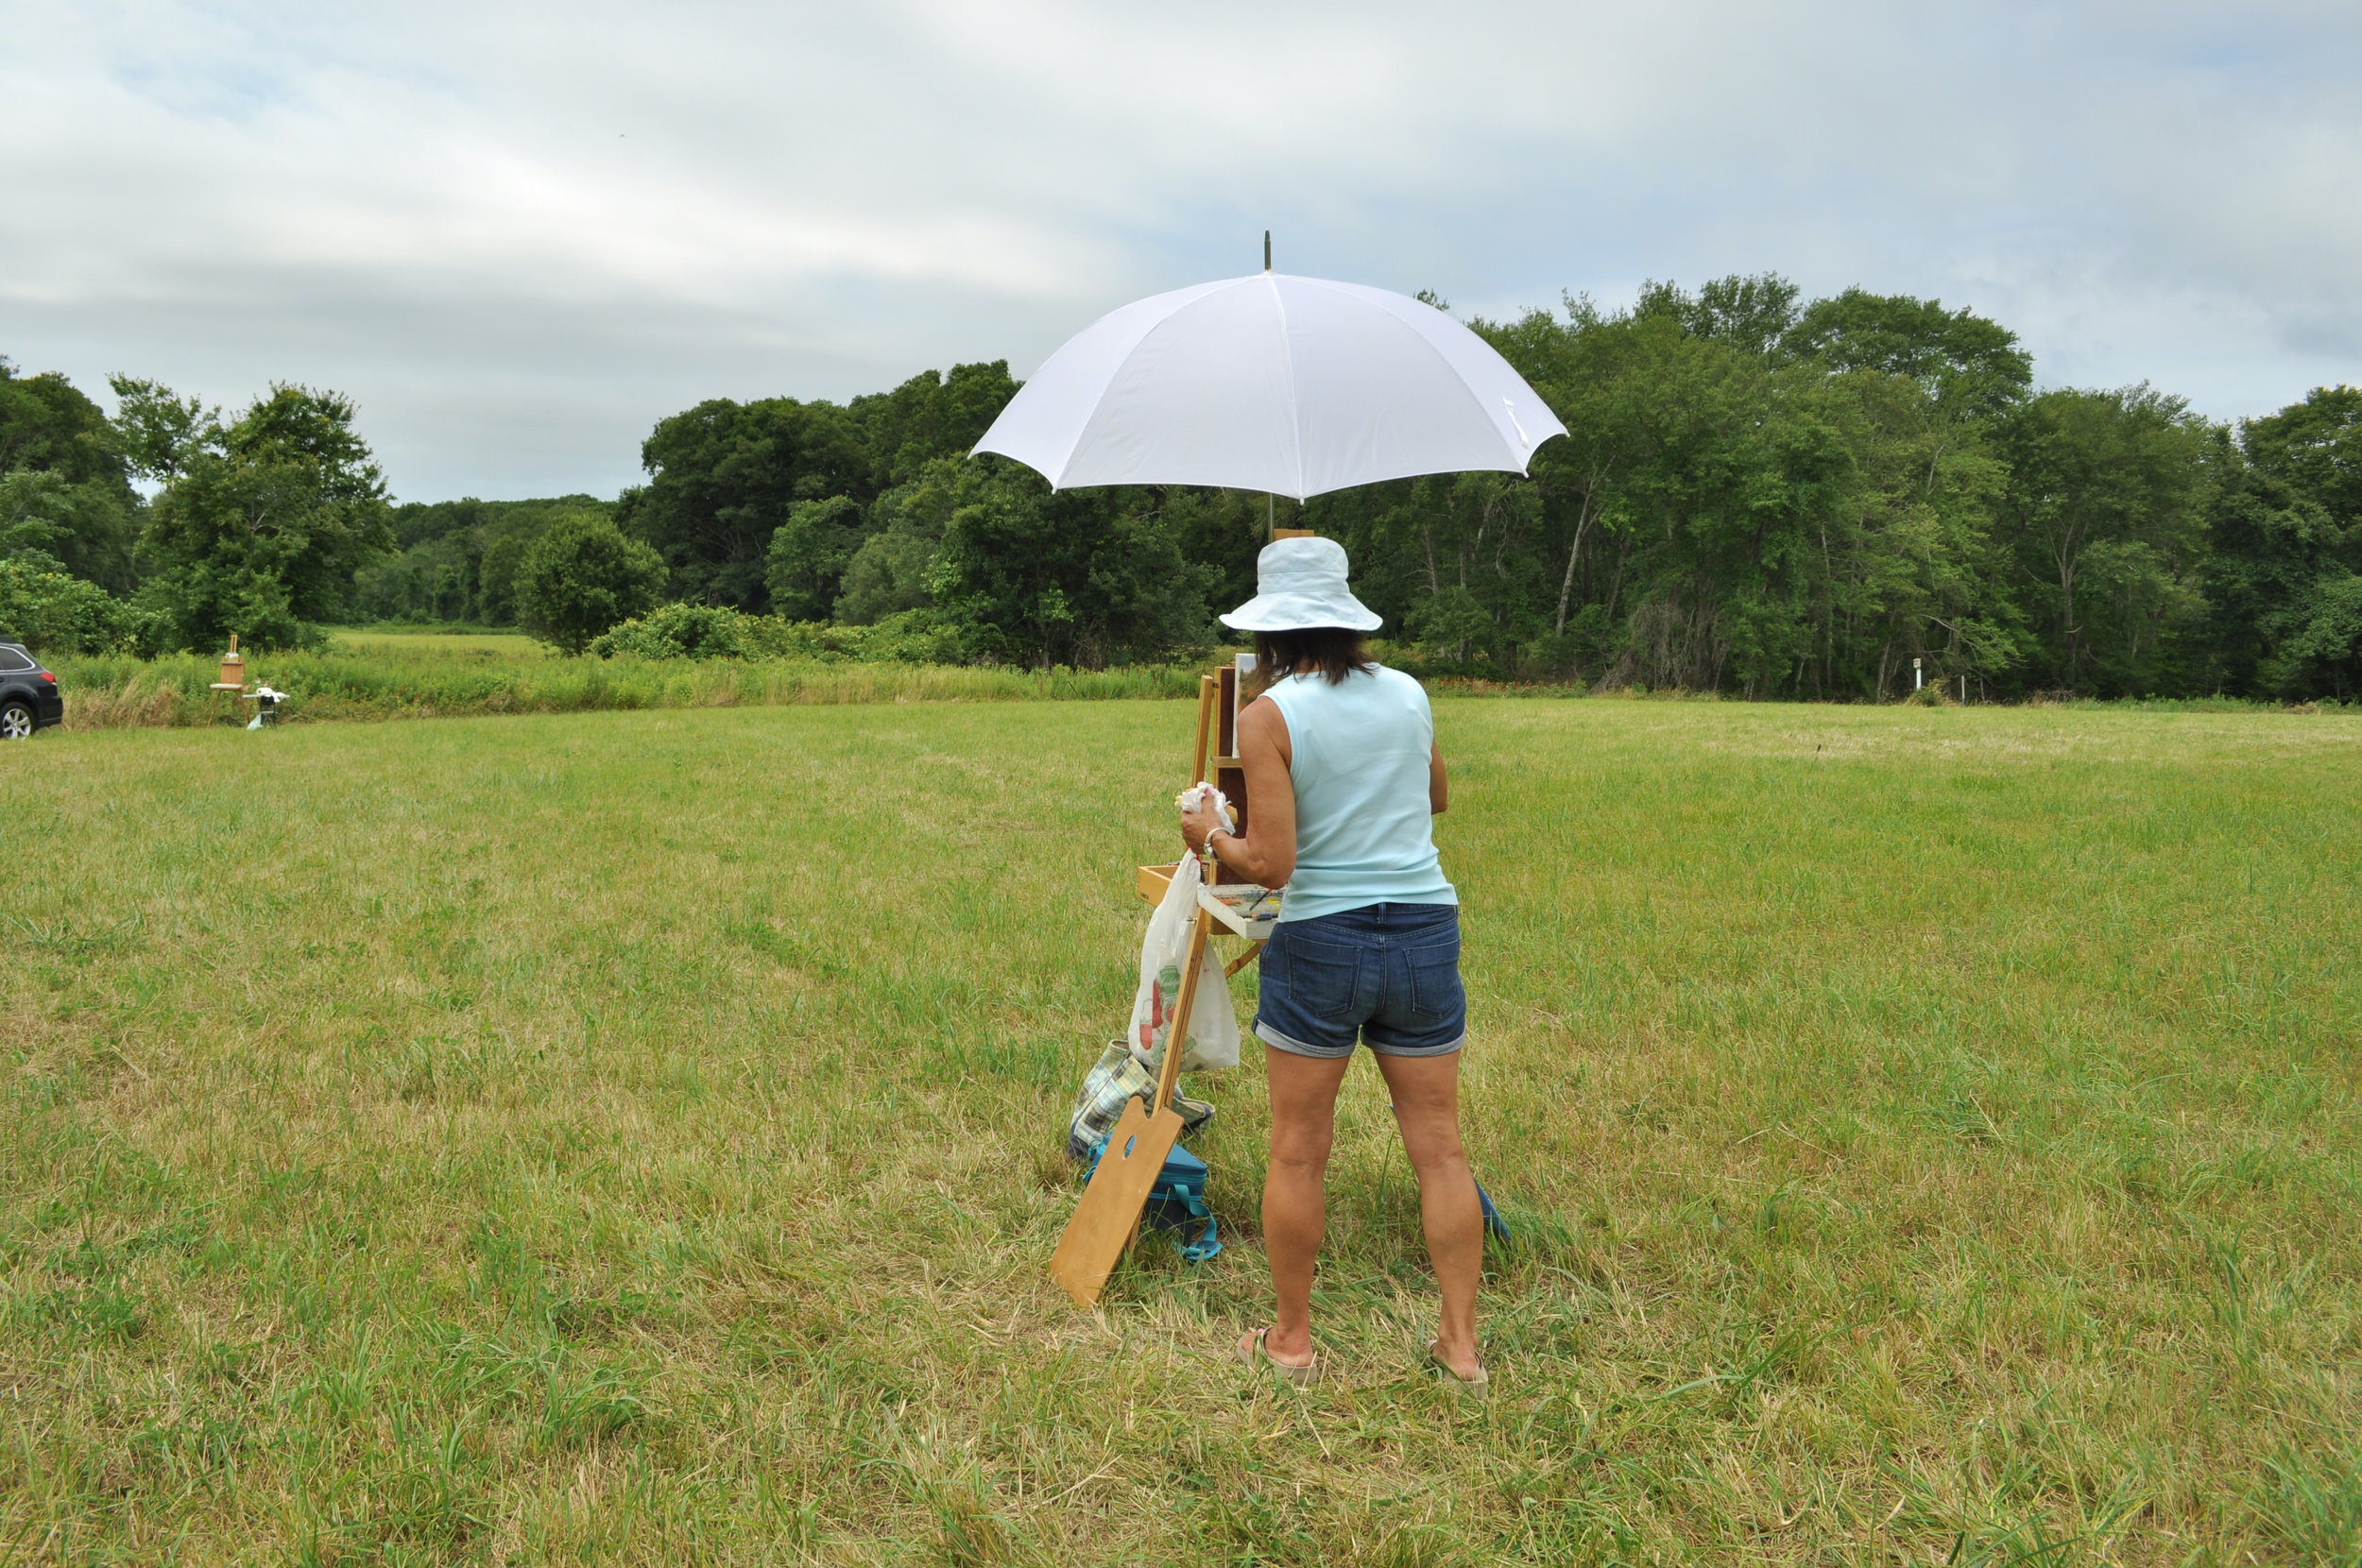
[(1495, 1228), (1176, 1202)]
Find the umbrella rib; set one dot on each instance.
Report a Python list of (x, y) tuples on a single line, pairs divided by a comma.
[(1455, 377), (1287, 368)]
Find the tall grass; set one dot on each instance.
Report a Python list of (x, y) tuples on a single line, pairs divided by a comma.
[(389, 681), (1931, 1136)]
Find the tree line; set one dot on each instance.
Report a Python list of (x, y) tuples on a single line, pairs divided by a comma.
[(1758, 494)]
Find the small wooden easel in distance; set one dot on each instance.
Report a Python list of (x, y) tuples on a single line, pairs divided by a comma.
[(1107, 1221)]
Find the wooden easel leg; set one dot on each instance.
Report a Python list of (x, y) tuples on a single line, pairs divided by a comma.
[(1107, 1219), (1208, 687)]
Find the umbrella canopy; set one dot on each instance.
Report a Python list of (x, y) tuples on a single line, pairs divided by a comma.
[(1292, 385)]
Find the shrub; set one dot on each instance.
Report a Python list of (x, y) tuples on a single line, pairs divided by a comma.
[(51, 612), (913, 636), (582, 577), (715, 631), (918, 637), (679, 631)]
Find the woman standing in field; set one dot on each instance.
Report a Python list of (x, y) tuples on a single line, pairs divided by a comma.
[(1343, 777)]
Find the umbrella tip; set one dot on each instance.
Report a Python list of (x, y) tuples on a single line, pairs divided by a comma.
[(1266, 250)]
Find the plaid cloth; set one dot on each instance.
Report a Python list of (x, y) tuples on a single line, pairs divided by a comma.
[(1107, 1088)]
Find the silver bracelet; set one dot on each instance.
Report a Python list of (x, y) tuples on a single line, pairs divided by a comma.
[(1210, 841)]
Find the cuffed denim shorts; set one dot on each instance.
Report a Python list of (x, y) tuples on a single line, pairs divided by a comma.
[(1388, 972)]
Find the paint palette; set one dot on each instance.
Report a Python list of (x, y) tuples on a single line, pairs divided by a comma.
[(1246, 908)]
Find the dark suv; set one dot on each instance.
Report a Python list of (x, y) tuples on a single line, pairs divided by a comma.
[(29, 694)]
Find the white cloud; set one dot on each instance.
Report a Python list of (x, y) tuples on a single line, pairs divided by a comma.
[(521, 233)]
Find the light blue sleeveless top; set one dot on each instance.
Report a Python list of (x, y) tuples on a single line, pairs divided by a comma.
[(1359, 754)]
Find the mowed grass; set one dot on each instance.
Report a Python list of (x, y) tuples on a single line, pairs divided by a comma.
[(638, 1138)]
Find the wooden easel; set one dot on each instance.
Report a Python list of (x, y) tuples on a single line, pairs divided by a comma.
[(233, 681), (1107, 1221)]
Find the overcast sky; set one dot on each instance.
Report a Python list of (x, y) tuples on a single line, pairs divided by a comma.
[(519, 234)]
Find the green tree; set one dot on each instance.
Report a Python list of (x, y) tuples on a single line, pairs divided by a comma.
[(1912, 566), (159, 431), (1454, 622), (2286, 560), (1749, 316), (1704, 468), (2315, 447), (1917, 569), (1471, 547), (2319, 650), (804, 565), (1958, 356), (496, 575), (66, 501), (1753, 493), (263, 522), (931, 416), (1085, 578), (1758, 493), (458, 560), (46, 424), (2107, 506), (1592, 372), (890, 571), (723, 477), (583, 576)]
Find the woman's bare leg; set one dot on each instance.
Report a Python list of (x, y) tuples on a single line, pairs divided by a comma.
[(1426, 1106), (1296, 1209)]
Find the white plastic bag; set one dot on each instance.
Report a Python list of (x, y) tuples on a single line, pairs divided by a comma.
[(1213, 1042), (1196, 795)]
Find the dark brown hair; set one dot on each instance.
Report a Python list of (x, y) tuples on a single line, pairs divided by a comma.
[(1331, 651)]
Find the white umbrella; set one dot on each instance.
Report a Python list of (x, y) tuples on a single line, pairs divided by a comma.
[(1292, 386)]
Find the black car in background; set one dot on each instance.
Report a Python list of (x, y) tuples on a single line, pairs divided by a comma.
[(29, 694)]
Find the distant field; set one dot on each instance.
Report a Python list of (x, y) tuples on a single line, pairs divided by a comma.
[(402, 641), (395, 673), (637, 1137)]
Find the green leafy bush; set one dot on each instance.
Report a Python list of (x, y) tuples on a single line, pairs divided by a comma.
[(581, 577), (912, 637), (51, 612), (716, 631), (679, 631)]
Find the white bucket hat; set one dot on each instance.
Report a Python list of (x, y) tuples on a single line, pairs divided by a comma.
[(1300, 584)]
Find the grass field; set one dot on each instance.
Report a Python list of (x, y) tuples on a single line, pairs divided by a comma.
[(401, 640), (636, 1138), (377, 675)]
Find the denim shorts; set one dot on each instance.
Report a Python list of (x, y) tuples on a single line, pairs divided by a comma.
[(1389, 973)]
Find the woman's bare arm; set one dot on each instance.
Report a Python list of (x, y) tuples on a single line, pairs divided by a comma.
[(1438, 786), (1267, 853)]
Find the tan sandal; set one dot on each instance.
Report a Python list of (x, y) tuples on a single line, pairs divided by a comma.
[(1478, 1386), (1253, 1353)]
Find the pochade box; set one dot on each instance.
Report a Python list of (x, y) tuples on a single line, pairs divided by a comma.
[(1247, 908)]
